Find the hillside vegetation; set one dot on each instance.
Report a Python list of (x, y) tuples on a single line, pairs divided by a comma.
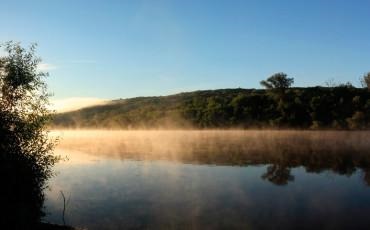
[(340, 107)]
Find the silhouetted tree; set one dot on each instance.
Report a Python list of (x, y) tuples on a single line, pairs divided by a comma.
[(277, 81), (366, 80), (26, 157)]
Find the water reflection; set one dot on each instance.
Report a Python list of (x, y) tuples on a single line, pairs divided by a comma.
[(340, 152), (278, 174), (214, 180)]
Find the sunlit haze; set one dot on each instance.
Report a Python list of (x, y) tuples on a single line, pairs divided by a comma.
[(185, 114), (75, 103)]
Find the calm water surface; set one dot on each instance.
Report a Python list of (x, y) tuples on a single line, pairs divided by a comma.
[(212, 180)]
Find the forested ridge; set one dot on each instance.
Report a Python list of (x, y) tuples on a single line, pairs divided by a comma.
[(339, 107)]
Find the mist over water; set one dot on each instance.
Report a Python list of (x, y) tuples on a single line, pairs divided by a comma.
[(212, 179), (195, 145)]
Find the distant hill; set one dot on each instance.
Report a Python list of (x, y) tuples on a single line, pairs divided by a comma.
[(343, 107)]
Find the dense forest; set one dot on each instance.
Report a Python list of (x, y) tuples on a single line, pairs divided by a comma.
[(278, 106)]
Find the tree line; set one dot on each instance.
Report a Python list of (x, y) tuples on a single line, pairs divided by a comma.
[(282, 106)]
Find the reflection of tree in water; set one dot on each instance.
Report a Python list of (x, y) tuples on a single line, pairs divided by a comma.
[(366, 176), (341, 162), (278, 174), (340, 152)]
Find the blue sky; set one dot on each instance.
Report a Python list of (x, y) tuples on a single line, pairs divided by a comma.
[(118, 49)]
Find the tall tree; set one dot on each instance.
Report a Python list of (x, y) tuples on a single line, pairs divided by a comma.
[(26, 157)]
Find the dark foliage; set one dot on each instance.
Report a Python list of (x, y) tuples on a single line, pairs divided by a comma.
[(25, 152), (277, 81), (341, 107), (366, 80)]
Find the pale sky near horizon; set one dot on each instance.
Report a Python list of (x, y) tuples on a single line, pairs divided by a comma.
[(119, 49)]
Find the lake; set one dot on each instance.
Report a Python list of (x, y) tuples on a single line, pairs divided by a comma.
[(212, 180)]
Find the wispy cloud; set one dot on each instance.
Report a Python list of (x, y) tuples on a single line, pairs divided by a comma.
[(46, 67), (75, 103)]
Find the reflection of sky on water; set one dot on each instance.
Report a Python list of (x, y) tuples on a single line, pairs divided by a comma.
[(113, 193)]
